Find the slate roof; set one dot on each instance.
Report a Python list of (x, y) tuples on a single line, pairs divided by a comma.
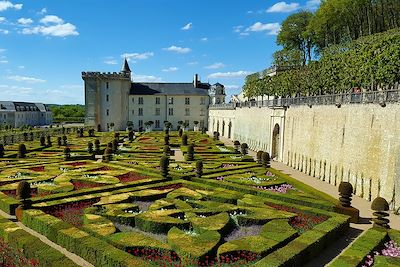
[(22, 106), (168, 89)]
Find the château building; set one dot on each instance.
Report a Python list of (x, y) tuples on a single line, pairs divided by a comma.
[(17, 114), (114, 102)]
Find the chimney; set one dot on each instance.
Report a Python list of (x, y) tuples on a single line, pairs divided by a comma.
[(195, 80)]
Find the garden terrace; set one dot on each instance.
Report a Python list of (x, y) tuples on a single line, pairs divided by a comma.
[(236, 213)]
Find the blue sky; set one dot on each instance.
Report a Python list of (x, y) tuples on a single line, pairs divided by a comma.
[(46, 44)]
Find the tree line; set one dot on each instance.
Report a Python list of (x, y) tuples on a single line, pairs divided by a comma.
[(356, 42)]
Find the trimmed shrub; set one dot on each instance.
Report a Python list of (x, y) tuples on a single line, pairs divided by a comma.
[(42, 141), (64, 138), (166, 140), (166, 150), (115, 145), (67, 153), (116, 135), (380, 206), (49, 144), (1, 150), (244, 148), (108, 154), (259, 156), (23, 190), (22, 151), (97, 146), (266, 160), (59, 141), (90, 147), (180, 132), (345, 191), (216, 136), (236, 145), (190, 153), (131, 135), (199, 168), (164, 164), (184, 139)]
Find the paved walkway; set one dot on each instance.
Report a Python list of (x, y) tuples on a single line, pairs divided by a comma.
[(73, 257), (178, 156)]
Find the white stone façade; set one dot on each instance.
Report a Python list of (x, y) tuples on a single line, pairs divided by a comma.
[(114, 102)]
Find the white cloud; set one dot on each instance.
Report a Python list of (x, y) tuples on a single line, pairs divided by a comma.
[(21, 67), (146, 78), (187, 27), (193, 63), (177, 49), (2, 50), (270, 28), (110, 62), (204, 39), (232, 86), (283, 7), (227, 75), (25, 21), (238, 29), (3, 61), (170, 69), (43, 11), (137, 56), (59, 30), (2, 19), (18, 78), (216, 65), (48, 19), (71, 86), (313, 4), (4, 31), (4, 5)]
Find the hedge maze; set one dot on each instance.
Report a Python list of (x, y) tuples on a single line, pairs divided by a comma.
[(126, 209)]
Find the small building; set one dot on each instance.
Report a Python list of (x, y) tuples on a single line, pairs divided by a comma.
[(113, 101), (17, 114)]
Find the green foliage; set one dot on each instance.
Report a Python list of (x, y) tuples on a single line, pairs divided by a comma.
[(338, 21), (22, 151), (199, 168), (67, 153), (71, 113), (164, 164), (294, 35), (244, 148), (1, 150), (190, 153), (23, 190), (42, 141), (184, 139), (265, 159), (369, 62)]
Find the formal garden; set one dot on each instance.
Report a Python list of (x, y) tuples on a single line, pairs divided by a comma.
[(126, 199)]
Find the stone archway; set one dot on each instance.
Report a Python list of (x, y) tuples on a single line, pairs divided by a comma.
[(276, 142), (217, 126), (223, 129), (229, 130)]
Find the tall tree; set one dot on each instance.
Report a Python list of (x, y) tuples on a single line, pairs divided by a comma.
[(294, 34)]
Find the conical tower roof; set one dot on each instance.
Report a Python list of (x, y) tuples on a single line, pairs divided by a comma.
[(126, 68)]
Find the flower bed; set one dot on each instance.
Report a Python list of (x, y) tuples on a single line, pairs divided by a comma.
[(12, 257), (71, 213), (78, 185), (390, 250), (130, 177), (303, 221)]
